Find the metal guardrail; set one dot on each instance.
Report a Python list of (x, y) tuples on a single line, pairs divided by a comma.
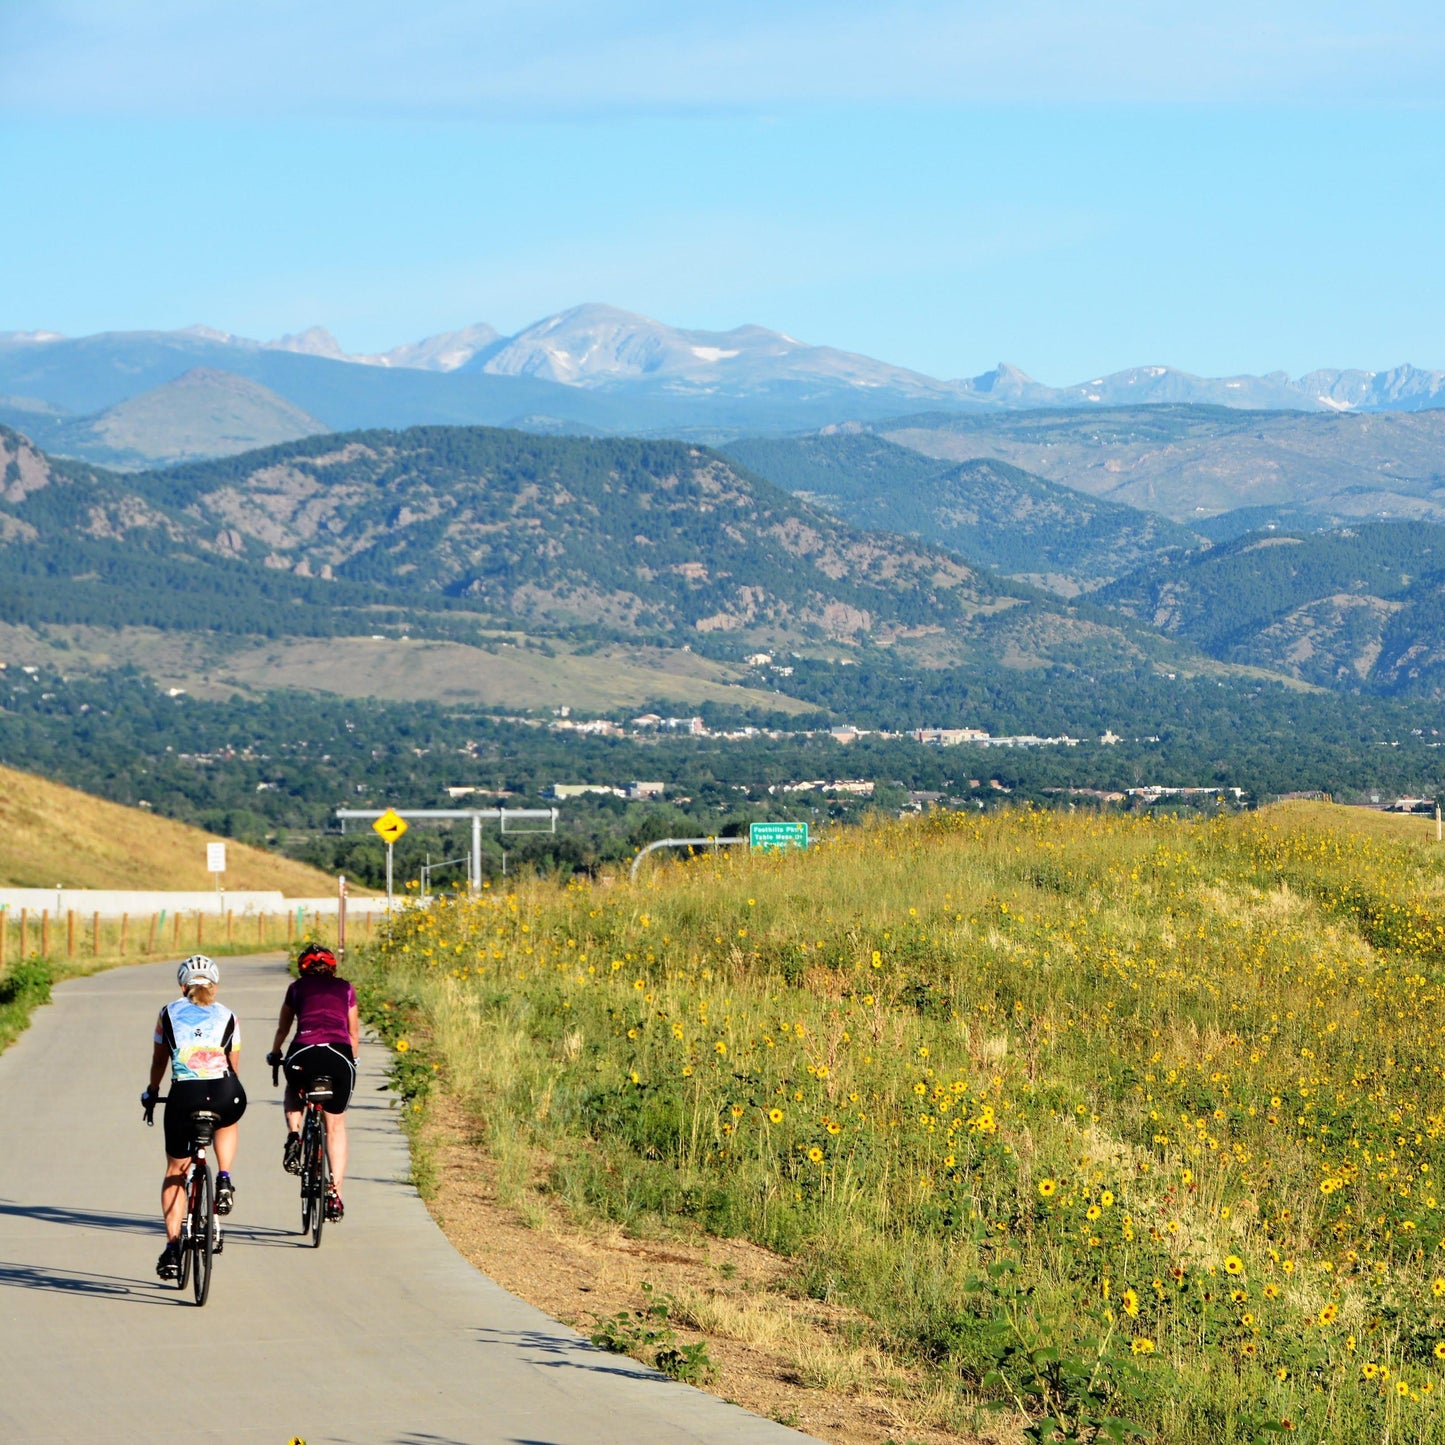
[(713, 843)]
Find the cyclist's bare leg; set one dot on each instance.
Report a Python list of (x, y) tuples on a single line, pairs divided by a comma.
[(293, 1110), (173, 1196), (337, 1147), (226, 1142)]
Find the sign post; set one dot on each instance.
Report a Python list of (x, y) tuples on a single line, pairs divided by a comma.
[(389, 827), (216, 861), (341, 916), (774, 837)]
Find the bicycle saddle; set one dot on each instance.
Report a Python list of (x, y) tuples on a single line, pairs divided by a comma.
[(203, 1125)]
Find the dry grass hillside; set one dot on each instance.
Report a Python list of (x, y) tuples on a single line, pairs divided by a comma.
[(53, 834)]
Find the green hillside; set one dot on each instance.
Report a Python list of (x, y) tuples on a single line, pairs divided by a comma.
[(994, 513), (456, 532), (638, 538), (1361, 608)]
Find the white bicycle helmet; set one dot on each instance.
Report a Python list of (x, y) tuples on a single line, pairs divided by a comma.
[(198, 969)]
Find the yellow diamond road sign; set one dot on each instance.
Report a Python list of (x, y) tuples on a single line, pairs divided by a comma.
[(391, 825)]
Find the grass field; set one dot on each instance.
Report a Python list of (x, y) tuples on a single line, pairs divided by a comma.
[(506, 673), (56, 835), (1078, 1120)]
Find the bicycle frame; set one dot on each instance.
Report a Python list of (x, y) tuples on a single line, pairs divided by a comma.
[(315, 1153), (315, 1161), (200, 1235)]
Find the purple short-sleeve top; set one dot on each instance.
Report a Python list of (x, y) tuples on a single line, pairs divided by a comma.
[(322, 1004)]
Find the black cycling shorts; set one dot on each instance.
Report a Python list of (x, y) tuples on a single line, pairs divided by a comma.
[(306, 1062), (223, 1096)]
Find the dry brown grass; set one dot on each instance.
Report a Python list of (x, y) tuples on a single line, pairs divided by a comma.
[(52, 834), (777, 1352), (1368, 822), (499, 675)]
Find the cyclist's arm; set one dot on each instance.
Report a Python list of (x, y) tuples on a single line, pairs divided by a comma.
[(160, 1057), (353, 1023), (233, 1046), (283, 1027)]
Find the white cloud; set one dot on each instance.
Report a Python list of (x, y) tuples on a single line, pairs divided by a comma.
[(262, 58)]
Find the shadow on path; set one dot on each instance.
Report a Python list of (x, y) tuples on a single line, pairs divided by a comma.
[(82, 1218), (570, 1354), (74, 1282)]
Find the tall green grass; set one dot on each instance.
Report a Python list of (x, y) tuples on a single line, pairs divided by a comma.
[(1084, 1118)]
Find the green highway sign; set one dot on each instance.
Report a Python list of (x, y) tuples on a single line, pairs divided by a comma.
[(777, 835)]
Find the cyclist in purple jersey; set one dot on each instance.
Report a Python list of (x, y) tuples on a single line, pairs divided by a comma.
[(328, 1035)]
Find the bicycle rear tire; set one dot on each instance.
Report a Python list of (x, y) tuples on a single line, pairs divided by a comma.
[(203, 1233), (320, 1175), (183, 1273)]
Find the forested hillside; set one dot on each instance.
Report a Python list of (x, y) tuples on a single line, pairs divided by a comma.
[(444, 530), (994, 513), (1360, 608)]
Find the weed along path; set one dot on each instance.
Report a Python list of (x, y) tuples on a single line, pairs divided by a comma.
[(385, 1334)]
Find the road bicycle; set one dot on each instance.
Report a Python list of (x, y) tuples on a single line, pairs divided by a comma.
[(200, 1239), (315, 1156)]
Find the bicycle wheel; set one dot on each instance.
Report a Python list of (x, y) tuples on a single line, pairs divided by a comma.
[(320, 1178), (183, 1274), (203, 1232), (308, 1129)]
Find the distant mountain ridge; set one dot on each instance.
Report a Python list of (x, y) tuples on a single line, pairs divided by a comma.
[(1192, 463), (203, 413), (991, 512), (601, 347), (1361, 609)]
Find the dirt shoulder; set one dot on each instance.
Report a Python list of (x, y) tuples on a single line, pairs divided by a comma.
[(804, 1362)]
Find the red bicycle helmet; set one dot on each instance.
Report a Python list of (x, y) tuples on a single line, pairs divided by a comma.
[(315, 958)]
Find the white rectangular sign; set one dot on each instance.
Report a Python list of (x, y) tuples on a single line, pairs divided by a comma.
[(215, 857)]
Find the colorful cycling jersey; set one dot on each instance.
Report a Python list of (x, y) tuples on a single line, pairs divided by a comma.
[(199, 1037)]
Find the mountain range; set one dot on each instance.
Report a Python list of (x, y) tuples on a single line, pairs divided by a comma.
[(600, 370), (445, 531), (471, 533), (1213, 469), (1011, 520)]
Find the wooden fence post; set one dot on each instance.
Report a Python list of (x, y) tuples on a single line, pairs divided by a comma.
[(4, 932), (260, 930), (45, 933), (290, 928), (176, 930), (95, 934), (70, 932), (24, 932), (124, 932)]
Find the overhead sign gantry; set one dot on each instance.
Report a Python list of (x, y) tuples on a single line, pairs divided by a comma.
[(386, 821)]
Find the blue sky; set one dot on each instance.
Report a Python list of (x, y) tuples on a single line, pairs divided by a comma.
[(1070, 188)]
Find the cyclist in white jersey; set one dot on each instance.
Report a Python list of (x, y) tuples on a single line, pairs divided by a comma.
[(201, 1041)]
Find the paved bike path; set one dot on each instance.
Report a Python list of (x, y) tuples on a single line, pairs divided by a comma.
[(383, 1336)]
